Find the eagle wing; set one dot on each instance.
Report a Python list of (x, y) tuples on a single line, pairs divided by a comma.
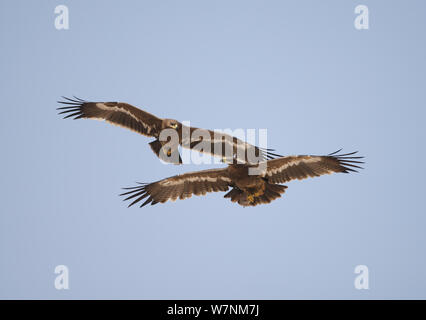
[(117, 113), (180, 186), (219, 143), (285, 169)]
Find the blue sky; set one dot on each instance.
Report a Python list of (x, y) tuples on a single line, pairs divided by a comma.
[(297, 68)]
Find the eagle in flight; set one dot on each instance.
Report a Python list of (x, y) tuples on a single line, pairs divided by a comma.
[(247, 190), (127, 116)]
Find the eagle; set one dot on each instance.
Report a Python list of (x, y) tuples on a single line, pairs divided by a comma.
[(247, 189), (127, 116)]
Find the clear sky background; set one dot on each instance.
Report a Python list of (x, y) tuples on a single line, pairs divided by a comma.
[(297, 68)]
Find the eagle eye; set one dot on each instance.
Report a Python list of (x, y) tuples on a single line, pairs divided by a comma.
[(173, 125)]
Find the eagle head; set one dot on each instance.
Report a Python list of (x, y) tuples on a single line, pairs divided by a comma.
[(170, 124)]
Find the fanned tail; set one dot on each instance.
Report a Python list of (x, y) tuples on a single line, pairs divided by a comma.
[(271, 192), (157, 148)]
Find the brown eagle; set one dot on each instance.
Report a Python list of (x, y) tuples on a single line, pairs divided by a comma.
[(142, 122), (247, 190)]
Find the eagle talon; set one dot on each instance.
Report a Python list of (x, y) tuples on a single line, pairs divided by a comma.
[(250, 198), (259, 193)]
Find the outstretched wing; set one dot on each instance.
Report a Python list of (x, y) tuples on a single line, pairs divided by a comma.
[(180, 186), (301, 167), (230, 148), (117, 113)]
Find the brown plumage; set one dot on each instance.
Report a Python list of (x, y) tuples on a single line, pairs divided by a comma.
[(247, 190), (142, 122)]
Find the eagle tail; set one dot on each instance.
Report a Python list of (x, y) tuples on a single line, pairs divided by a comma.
[(243, 198), (156, 147), (234, 194)]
